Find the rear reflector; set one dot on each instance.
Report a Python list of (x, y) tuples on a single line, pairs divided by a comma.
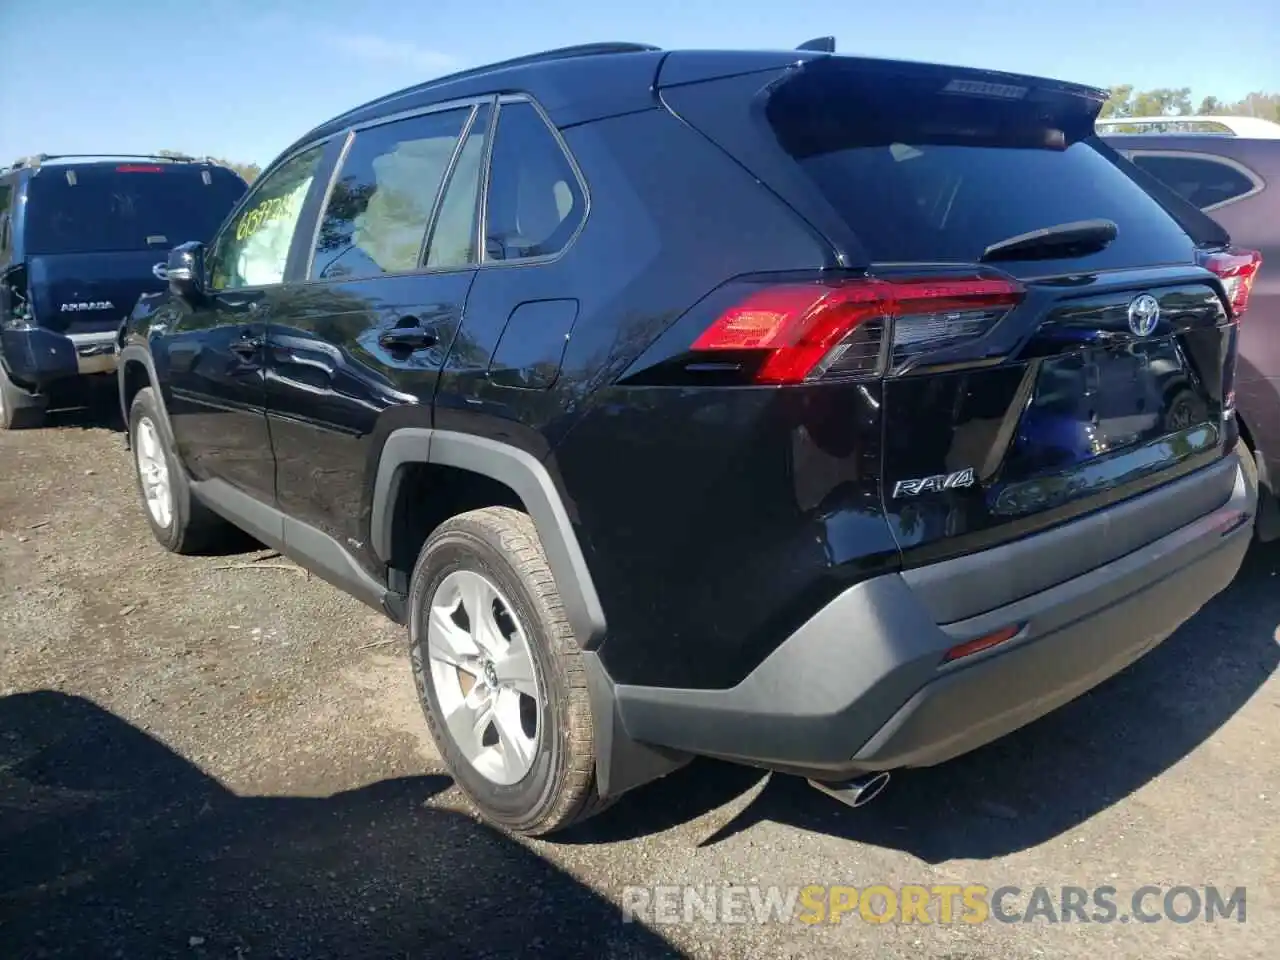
[(1237, 268), (978, 644), (139, 168), (854, 329)]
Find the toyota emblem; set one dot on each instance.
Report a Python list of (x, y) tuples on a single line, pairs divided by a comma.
[(1144, 314)]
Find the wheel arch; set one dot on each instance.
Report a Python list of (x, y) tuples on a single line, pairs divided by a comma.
[(136, 370), (511, 467), (622, 763)]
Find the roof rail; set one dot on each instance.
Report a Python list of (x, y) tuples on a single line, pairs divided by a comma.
[(1210, 125), (819, 45), (546, 56), (171, 157)]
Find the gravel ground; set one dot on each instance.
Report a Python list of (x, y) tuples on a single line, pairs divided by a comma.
[(221, 757)]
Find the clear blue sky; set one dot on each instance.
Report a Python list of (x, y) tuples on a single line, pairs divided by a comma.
[(242, 79)]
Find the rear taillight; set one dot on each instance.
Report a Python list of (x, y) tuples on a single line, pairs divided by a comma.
[(1237, 268), (859, 328), (140, 168)]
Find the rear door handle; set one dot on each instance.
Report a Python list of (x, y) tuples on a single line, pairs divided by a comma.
[(248, 346), (408, 338)]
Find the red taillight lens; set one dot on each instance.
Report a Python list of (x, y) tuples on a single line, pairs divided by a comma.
[(1237, 268), (139, 168), (856, 328), (978, 644)]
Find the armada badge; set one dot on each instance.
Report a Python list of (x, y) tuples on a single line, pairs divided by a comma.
[(87, 305)]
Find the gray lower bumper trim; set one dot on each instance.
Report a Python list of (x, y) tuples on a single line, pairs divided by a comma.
[(862, 684), (964, 587)]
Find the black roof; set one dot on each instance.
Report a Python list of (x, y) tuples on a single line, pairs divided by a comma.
[(532, 59), (589, 81), (552, 76)]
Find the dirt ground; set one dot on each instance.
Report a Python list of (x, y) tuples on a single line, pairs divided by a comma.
[(221, 757)]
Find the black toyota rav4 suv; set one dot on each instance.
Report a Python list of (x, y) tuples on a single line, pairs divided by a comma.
[(820, 413), (81, 237)]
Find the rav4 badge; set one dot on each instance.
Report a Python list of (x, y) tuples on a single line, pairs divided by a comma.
[(934, 484)]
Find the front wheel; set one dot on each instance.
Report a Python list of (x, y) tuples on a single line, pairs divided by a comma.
[(180, 522), (499, 673)]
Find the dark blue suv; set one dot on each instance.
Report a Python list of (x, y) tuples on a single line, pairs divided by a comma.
[(825, 414), (81, 238)]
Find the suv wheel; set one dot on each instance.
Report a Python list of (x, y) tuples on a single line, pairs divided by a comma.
[(180, 522), (499, 673), (19, 410)]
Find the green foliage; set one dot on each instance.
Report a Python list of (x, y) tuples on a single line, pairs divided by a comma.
[(249, 171), (1176, 102), (1161, 102)]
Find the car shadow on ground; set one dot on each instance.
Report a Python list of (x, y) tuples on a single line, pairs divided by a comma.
[(99, 414), (93, 407), (1034, 784), (114, 846)]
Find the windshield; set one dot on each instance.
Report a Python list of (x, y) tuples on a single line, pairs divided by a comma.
[(126, 207)]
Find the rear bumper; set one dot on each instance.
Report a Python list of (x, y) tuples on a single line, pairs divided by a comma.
[(39, 358), (863, 684)]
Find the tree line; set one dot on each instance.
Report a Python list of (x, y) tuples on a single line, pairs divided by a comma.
[(249, 171), (1125, 101)]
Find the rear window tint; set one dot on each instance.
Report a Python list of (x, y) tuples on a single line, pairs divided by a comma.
[(923, 176), (140, 207)]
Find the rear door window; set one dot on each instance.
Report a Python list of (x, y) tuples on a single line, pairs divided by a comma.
[(924, 175), (376, 218), (1207, 182), (128, 206)]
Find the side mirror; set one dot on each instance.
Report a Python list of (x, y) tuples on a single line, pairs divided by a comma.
[(185, 271)]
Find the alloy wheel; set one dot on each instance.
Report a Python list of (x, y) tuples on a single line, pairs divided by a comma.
[(153, 471), (484, 676)]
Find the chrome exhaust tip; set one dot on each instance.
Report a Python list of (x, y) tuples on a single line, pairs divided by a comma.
[(857, 792)]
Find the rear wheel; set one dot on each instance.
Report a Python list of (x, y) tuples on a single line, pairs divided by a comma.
[(499, 673), (19, 410), (180, 522), (1266, 524)]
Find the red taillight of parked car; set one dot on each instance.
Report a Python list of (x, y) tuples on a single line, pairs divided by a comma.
[(842, 329), (1238, 269)]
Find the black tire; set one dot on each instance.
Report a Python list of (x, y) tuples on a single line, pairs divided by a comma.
[(1265, 522), (193, 527), (560, 787), (19, 410)]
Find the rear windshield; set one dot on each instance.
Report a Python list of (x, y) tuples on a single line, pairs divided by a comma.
[(923, 175), (126, 207)]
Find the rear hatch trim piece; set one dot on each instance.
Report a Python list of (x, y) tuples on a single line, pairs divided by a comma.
[(971, 585)]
